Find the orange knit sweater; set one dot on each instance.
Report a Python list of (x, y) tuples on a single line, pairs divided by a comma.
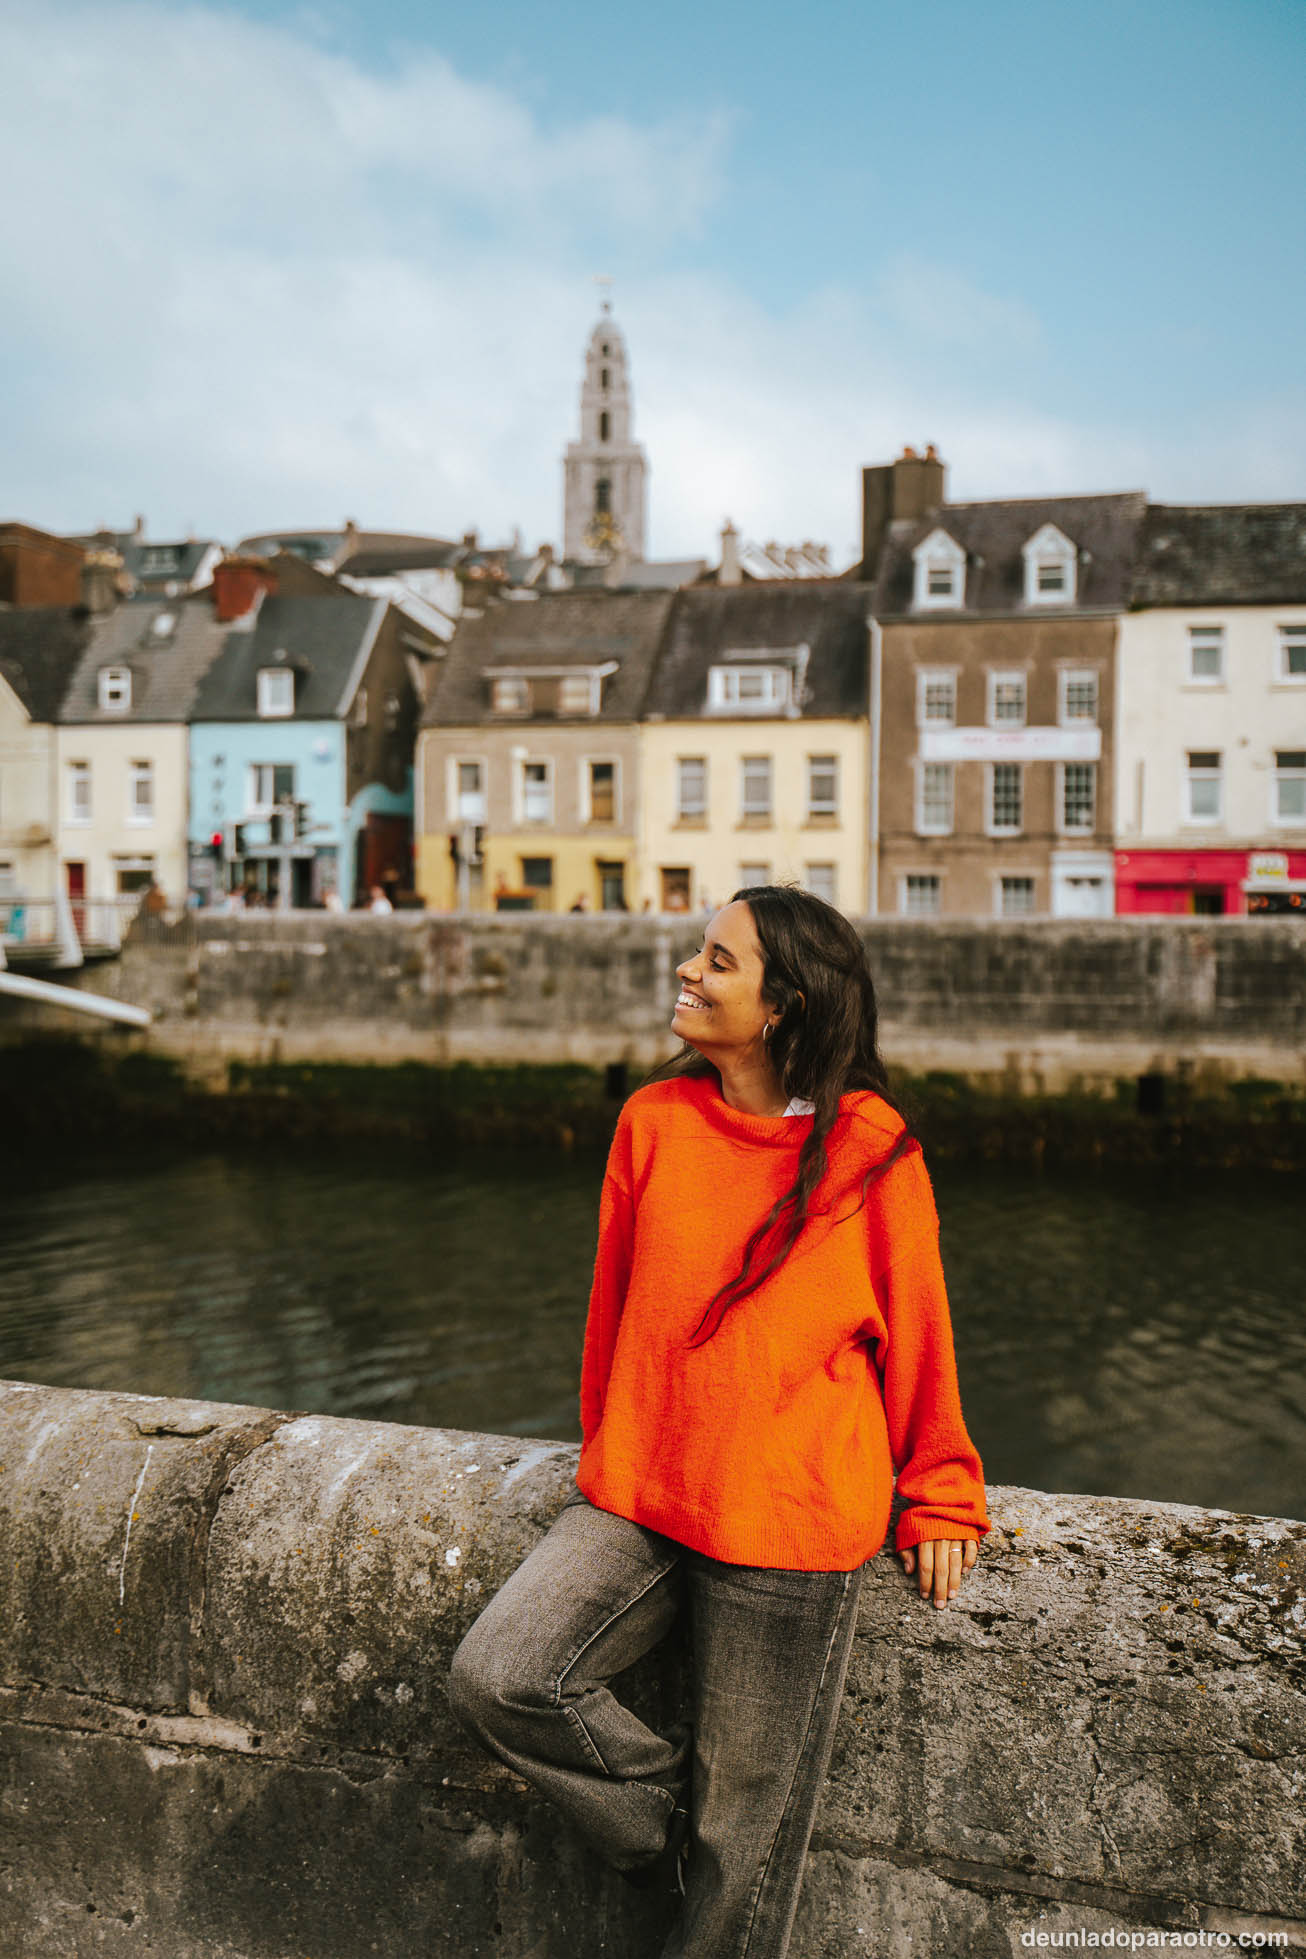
[(775, 1443)]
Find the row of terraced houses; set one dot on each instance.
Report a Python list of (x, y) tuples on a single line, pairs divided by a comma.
[(1034, 707)]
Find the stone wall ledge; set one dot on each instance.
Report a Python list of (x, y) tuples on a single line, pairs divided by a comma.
[(224, 1633)]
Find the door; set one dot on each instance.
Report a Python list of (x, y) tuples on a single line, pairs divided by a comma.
[(75, 885)]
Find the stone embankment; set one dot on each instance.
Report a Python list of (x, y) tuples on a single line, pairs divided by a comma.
[(224, 1633)]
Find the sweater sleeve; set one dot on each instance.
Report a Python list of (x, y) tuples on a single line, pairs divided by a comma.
[(612, 1262), (938, 1471)]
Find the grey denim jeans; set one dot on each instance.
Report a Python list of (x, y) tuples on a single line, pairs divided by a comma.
[(770, 1652)]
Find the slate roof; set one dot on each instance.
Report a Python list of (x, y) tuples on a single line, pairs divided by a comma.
[(323, 639), (1222, 554), (710, 623), (40, 646), (583, 629), (166, 665), (1105, 530), (140, 556)]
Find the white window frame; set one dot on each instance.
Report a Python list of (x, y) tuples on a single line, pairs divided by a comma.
[(257, 806), (1001, 880), (992, 827), (1069, 677), (589, 681), (1050, 546), (79, 807), (756, 871), (146, 866), (934, 879), (948, 773), (1285, 775), (544, 762), (699, 814), (586, 788), (825, 764), (454, 793), (1192, 776), (1007, 677), (1208, 636), (275, 703), (115, 689), (926, 678), (776, 688), (1064, 826), (935, 553), (140, 772), (827, 876), (1291, 639), (747, 815)]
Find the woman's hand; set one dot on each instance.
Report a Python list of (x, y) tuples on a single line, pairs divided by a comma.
[(943, 1561)]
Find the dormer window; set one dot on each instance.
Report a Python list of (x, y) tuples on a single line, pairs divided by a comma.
[(749, 689), (1051, 561), (576, 694), (940, 573), (510, 695), (276, 692), (115, 689)]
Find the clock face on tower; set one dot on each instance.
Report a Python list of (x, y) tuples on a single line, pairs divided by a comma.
[(603, 534)]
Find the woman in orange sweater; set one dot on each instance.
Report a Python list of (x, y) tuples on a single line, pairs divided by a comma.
[(768, 1353)]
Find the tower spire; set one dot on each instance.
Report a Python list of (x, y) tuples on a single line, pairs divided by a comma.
[(604, 472)]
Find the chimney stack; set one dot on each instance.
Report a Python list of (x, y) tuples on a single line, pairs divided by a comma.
[(905, 490), (102, 581), (731, 572), (239, 586)]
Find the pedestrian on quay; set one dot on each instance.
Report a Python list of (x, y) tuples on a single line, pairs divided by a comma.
[(768, 1339)]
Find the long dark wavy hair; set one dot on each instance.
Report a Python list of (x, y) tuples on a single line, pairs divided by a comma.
[(824, 1044)]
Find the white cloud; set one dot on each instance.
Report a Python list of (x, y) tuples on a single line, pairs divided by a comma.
[(250, 282)]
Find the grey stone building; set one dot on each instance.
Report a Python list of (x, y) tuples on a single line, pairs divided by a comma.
[(604, 472)]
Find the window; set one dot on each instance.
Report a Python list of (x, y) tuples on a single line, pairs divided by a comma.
[(115, 689), (674, 879), (132, 875), (756, 873), (1005, 798), (603, 494), (1006, 700), (822, 785), (605, 424), (1015, 897), (163, 625), (612, 886), (575, 694), (156, 558), (270, 783), (1292, 652), (755, 786), (537, 792), (822, 881), (1078, 701), (1206, 655), (537, 873), (79, 792), (1051, 561), (1203, 785), (1078, 795), (934, 799), (691, 787), (276, 691), (921, 894), (602, 792), (469, 792), (760, 690), (140, 792), (1290, 785), (603, 378), (940, 572), (936, 699), (510, 695)]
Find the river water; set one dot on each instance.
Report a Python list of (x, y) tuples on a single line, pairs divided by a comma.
[(1131, 1337)]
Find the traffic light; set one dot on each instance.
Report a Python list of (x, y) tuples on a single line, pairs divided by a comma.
[(215, 845), (301, 819)]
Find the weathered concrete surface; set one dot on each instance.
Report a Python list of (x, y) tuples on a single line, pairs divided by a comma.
[(1041, 1006), (223, 1734)]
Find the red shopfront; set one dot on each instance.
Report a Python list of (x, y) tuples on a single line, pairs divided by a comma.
[(1213, 883)]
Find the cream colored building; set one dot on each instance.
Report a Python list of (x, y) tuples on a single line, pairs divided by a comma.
[(755, 740), (39, 650), (1210, 786)]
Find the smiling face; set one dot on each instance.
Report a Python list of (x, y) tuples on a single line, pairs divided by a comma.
[(720, 1009)]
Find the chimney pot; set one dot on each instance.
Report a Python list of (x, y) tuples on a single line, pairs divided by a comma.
[(239, 586)]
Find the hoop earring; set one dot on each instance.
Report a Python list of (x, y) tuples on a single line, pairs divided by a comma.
[(766, 1031)]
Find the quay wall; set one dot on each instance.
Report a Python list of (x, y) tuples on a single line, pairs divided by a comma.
[(1028, 1007), (224, 1633)]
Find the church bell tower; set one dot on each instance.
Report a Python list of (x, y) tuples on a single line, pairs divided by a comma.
[(603, 473)]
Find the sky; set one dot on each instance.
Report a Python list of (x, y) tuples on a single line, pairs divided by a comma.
[(271, 265)]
